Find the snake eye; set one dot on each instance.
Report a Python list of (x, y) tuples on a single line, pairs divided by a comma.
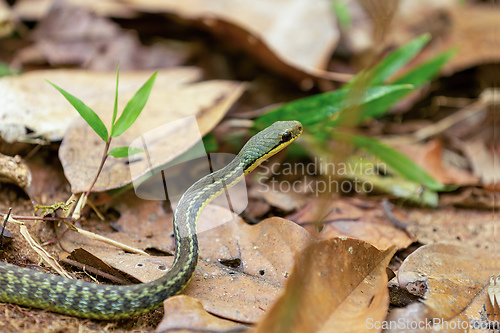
[(285, 137)]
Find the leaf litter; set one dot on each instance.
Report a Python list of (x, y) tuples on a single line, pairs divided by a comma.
[(453, 284)]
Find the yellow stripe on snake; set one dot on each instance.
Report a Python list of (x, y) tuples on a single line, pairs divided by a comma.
[(90, 300)]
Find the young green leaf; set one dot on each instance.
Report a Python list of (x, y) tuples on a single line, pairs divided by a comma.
[(115, 107), (396, 160), (134, 107), (87, 113), (426, 71), (389, 65), (124, 151)]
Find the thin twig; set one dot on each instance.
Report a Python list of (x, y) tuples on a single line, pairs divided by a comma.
[(43, 254), (110, 241), (35, 218)]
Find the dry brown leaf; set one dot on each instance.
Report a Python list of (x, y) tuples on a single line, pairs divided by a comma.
[(187, 314), (471, 28), (472, 197), (337, 285), (474, 33), (408, 9), (453, 279), (472, 228), (14, 170), (48, 184), (348, 218), (430, 157), (282, 200), (146, 221), (379, 235), (88, 259), (484, 162), (295, 38)]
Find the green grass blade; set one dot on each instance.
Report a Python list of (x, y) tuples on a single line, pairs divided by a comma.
[(309, 111), (313, 110), (389, 65), (87, 113), (374, 104), (396, 160), (124, 151), (134, 107), (426, 71)]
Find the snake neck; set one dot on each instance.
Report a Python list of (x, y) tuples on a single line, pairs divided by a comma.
[(188, 211)]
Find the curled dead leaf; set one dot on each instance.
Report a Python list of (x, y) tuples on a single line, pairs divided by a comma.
[(337, 285), (295, 38)]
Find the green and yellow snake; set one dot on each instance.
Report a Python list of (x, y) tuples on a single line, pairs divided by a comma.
[(90, 300)]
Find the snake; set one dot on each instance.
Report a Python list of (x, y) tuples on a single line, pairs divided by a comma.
[(79, 298)]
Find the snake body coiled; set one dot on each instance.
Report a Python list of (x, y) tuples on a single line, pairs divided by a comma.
[(79, 298)]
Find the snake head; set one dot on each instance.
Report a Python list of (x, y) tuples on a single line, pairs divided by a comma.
[(268, 142)]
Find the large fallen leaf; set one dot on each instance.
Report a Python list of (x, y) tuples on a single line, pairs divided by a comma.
[(449, 277), (185, 313), (295, 38), (337, 285)]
